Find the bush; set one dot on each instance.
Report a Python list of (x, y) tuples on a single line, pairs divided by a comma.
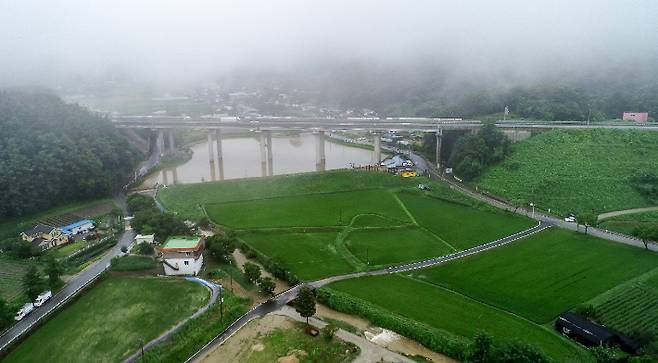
[(132, 263), (144, 248), (329, 331), (434, 339)]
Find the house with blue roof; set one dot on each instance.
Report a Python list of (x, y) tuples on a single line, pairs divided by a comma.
[(82, 226)]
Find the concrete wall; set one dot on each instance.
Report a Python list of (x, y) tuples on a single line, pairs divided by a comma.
[(192, 268), (517, 135)]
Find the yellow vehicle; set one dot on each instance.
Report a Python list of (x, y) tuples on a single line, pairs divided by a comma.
[(408, 173)]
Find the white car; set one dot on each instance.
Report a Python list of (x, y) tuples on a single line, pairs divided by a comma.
[(42, 298), (26, 309), (570, 219)]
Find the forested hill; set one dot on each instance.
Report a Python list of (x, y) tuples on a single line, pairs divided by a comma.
[(53, 153)]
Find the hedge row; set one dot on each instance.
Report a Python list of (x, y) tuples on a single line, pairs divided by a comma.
[(432, 338), (91, 252)]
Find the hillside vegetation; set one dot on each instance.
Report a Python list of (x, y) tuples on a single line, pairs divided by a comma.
[(53, 153), (577, 171)]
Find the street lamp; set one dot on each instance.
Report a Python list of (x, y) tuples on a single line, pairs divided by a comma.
[(533, 209)]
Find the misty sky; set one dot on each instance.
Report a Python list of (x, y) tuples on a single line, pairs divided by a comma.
[(42, 42)]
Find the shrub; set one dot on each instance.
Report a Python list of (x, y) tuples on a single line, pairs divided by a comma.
[(144, 248)]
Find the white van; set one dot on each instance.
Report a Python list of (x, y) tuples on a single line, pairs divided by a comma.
[(42, 298), (26, 309)]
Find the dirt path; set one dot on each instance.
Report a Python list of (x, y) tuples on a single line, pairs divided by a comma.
[(607, 215)]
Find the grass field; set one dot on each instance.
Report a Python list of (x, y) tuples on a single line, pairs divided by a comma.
[(454, 313), (284, 342), (11, 277), (308, 255), (632, 308), (108, 322), (390, 246), (133, 263), (331, 209), (459, 225), (185, 199), (627, 223), (576, 170), (544, 275)]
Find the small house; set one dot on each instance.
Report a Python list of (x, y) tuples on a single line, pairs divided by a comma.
[(635, 116), (82, 226), (584, 331), (182, 255), (44, 237)]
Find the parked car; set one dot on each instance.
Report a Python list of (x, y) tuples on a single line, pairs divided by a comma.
[(424, 187), (26, 309), (570, 218), (42, 298)]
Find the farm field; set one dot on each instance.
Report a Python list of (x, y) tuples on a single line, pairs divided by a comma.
[(543, 275), (11, 277), (379, 245), (575, 170), (627, 223), (319, 210), (460, 225), (185, 199), (455, 313), (108, 322), (632, 308), (309, 255)]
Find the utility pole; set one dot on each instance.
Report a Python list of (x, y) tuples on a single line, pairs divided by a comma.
[(141, 342), (589, 113), (221, 305)]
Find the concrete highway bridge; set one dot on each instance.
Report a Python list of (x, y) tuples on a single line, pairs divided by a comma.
[(515, 130)]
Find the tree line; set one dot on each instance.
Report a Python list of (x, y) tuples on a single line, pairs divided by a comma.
[(52, 153)]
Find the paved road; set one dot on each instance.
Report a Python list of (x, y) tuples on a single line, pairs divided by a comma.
[(626, 211), (287, 296)]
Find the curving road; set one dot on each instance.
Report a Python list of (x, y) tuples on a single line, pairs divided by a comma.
[(280, 300)]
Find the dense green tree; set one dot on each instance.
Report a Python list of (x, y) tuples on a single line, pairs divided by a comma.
[(53, 270), (479, 351), (252, 271), (514, 352), (647, 233), (305, 303), (144, 248), (587, 219), (604, 354), (163, 225), (53, 153), (33, 284), (5, 314), (221, 246), (474, 152), (267, 286), (137, 202)]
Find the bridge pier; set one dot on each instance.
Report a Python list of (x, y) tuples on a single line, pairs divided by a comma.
[(263, 154), (172, 146), (439, 137), (377, 149), (320, 157), (270, 166), (165, 180), (160, 142), (211, 157), (220, 155), (174, 171)]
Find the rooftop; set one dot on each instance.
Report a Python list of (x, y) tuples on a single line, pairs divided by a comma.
[(181, 242), (77, 224)]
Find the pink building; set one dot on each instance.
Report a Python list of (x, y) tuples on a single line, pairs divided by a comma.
[(636, 116)]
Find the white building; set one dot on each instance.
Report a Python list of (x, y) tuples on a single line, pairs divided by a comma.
[(148, 238), (182, 255)]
